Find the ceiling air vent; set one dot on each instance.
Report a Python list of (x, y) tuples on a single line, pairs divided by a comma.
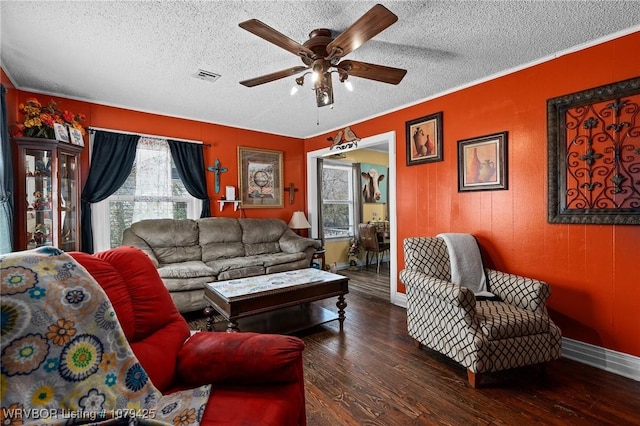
[(208, 75)]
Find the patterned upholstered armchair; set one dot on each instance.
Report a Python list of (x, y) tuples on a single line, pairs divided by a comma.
[(482, 335)]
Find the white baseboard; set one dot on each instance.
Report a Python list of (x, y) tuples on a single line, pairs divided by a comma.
[(605, 359), (625, 365)]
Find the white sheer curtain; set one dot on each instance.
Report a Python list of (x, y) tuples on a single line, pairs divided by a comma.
[(154, 189)]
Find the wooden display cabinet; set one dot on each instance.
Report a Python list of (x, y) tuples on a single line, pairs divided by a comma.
[(47, 202)]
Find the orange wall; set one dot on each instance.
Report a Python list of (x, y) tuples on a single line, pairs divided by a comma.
[(592, 269), (224, 141)]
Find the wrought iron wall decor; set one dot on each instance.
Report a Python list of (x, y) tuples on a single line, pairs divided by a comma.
[(594, 155)]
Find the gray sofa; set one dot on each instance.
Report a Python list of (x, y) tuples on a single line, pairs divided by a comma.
[(189, 253)]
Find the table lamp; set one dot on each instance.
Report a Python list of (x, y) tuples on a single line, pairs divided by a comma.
[(299, 221)]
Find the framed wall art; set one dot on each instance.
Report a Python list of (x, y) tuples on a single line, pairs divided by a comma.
[(424, 139), (594, 155), (260, 178), (374, 183), (76, 136), (60, 130), (482, 163)]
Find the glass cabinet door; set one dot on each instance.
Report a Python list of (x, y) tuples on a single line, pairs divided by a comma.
[(47, 208), (39, 198), (68, 202)]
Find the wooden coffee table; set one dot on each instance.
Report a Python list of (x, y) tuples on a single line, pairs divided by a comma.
[(279, 302)]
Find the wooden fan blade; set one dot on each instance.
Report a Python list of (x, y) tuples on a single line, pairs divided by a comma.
[(368, 26), (273, 76), (264, 31), (373, 72)]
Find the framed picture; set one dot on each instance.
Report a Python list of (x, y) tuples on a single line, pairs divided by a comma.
[(374, 180), (594, 155), (61, 133), (260, 177), (424, 139), (482, 163), (76, 136)]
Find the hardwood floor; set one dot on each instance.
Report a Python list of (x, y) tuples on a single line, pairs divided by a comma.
[(368, 282), (371, 374)]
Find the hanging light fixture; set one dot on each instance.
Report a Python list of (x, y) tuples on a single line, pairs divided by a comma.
[(322, 82)]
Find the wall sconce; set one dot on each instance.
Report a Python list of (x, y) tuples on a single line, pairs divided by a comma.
[(299, 221)]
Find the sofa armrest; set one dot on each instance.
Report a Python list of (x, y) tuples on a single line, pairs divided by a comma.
[(240, 358), (131, 239), (523, 292), (290, 242), (447, 292)]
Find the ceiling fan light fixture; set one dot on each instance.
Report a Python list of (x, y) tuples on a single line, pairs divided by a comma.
[(294, 90), (348, 85), (323, 54), (324, 91)]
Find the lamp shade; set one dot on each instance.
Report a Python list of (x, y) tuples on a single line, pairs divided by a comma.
[(299, 221)]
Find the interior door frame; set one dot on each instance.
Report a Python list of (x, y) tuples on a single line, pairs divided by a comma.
[(312, 201)]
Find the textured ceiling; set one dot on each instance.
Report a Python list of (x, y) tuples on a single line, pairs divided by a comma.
[(145, 55)]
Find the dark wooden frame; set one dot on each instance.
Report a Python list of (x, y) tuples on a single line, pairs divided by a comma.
[(559, 164), (246, 156), (411, 127), (499, 140)]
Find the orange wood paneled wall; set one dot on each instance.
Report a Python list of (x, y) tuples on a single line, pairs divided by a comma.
[(224, 141), (592, 269)]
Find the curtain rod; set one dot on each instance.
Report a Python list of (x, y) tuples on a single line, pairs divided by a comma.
[(208, 145)]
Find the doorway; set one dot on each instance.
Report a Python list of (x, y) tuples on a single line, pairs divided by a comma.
[(388, 139)]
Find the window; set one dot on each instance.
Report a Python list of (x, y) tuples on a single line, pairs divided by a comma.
[(338, 210), (153, 190)]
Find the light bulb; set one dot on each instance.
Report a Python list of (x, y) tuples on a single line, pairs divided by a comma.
[(294, 90), (314, 76), (348, 85)]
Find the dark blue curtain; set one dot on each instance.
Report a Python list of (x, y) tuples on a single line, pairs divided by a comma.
[(111, 161), (6, 181), (189, 160)]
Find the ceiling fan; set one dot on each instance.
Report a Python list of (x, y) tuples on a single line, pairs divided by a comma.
[(323, 54)]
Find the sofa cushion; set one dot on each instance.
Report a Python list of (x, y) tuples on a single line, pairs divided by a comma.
[(261, 248), (171, 240), (282, 267), (499, 320), (249, 271), (190, 269), (261, 235), (280, 258), (220, 237), (144, 307), (222, 265), (176, 285)]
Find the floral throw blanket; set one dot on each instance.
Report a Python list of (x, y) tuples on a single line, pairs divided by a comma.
[(64, 356)]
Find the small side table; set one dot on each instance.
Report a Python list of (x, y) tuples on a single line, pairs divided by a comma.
[(317, 260)]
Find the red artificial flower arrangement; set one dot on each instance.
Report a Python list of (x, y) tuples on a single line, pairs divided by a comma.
[(38, 120)]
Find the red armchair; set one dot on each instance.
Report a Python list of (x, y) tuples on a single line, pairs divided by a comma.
[(257, 379)]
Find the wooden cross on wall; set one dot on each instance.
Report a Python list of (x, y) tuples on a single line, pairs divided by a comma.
[(291, 191), (217, 170)]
